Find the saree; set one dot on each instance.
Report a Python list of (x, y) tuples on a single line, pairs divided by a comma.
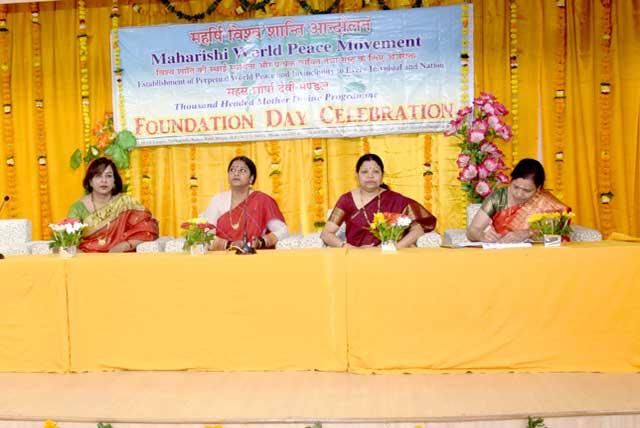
[(357, 221), (122, 219), (252, 215), (507, 219)]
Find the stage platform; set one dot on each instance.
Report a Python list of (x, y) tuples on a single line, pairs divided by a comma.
[(301, 399)]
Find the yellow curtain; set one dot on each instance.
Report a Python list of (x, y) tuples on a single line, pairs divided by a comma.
[(182, 179)]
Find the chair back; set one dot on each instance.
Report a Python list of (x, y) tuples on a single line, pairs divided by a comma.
[(472, 210)]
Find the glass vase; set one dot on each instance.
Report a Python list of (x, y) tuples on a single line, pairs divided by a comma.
[(389, 247), (198, 249), (67, 252), (552, 240)]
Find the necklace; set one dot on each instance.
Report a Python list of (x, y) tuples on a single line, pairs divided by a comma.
[(104, 240), (364, 207), (93, 202), (235, 226)]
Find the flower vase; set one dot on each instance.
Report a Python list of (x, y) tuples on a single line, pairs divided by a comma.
[(552, 240), (198, 249), (67, 252), (389, 247)]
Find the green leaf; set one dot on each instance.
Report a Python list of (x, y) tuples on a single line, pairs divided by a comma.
[(126, 140), (92, 153), (76, 159), (119, 156)]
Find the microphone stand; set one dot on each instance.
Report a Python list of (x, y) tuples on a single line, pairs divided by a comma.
[(246, 248), (4, 201)]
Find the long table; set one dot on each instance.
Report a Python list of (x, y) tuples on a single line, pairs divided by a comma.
[(574, 308)]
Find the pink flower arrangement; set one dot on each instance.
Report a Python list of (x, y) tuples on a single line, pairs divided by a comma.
[(480, 161)]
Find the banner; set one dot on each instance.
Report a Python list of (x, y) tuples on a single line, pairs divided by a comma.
[(338, 75)]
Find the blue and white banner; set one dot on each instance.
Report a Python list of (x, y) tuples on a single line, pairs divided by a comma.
[(339, 75)]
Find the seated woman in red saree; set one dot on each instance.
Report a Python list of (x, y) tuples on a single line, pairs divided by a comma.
[(358, 207), (243, 210), (115, 222), (504, 213)]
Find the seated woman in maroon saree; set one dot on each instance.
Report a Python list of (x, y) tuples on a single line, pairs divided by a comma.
[(242, 211), (503, 214), (357, 208), (357, 220), (115, 222)]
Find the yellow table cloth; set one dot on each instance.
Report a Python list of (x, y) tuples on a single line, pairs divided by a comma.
[(277, 310), (573, 308), (33, 315)]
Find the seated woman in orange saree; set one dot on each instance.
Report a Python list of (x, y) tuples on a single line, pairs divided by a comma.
[(503, 214), (115, 222)]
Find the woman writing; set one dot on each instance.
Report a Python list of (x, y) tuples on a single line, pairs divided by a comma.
[(242, 210), (116, 222), (358, 207), (503, 214)]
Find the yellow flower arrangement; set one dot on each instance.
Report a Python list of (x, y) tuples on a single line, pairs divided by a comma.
[(50, 424), (551, 223)]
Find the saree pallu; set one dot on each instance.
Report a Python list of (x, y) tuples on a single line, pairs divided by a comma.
[(122, 219), (515, 217), (251, 215), (357, 220)]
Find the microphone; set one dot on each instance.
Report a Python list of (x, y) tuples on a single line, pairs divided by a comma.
[(4, 201), (246, 248)]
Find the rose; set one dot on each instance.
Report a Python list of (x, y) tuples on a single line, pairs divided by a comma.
[(488, 148), (490, 164), (403, 221), (482, 188), (469, 172), (478, 131), (483, 172), (502, 178), (505, 132), (463, 160)]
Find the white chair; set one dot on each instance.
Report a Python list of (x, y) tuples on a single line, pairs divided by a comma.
[(14, 237), (157, 246), (39, 248), (174, 246), (459, 236)]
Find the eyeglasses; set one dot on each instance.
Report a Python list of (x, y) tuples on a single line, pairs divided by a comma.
[(241, 171)]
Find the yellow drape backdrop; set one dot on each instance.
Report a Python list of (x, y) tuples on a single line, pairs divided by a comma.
[(533, 28)]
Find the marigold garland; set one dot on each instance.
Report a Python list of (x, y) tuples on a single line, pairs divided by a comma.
[(560, 95), (188, 17), (83, 51), (366, 148), (319, 165), (115, 25), (39, 125), (7, 113), (145, 163), (427, 173), (461, 198), (193, 180), (513, 56), (604, 128), (274, 151), (307, 8)]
